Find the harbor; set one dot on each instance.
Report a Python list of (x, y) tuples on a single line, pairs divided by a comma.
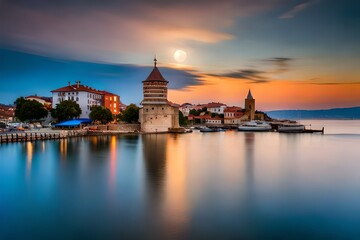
[(262, 179)]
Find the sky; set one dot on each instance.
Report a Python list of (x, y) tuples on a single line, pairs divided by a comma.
[(292, 54)]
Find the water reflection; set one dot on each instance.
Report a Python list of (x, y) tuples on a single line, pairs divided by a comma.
[(249, 161), (250, 198), (166, 184), (29, 157), (113, 159), (63, 144), (228, 185), (175, 197), (154, 151)]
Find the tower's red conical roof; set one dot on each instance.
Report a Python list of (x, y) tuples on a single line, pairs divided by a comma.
[(155, 75)]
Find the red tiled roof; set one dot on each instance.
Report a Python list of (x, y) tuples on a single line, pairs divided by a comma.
[(213, 105), (202, 117), (46, 99), (215, 118), (77, 88), (173, 104), (107, 93), (232, 109), (155, 75), (82, 88), (185, 104)]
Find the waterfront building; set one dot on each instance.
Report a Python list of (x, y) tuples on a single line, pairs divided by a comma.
[(234, 115), (7, 112), (86, 97), (46, 101), (214, 120), (111, 101), (185, 108), (157, 114), (216, 107)]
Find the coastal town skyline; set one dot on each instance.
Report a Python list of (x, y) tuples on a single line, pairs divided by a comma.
[(292, 55)]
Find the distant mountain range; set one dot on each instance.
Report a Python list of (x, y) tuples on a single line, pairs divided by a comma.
[(334, 113)]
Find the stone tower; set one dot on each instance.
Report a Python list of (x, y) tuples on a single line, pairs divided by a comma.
[(157, 113), (250, 106)]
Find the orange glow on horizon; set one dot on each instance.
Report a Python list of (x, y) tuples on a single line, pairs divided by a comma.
[(272, 95)]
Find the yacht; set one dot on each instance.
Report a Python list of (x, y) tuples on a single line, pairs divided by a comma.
[(255, 126)]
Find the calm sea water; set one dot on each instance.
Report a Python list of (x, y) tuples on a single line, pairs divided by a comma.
[(227, 185)]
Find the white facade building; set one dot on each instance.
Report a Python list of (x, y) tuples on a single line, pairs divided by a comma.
[(85, 96), (216, 107)]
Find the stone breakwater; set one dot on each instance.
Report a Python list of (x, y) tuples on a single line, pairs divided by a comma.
[(51, 134)]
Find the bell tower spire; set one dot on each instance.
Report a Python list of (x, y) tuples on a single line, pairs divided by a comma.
[(155, 60)]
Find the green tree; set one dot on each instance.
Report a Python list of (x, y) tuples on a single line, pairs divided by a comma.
[(29, 110), (182, 119), (130, 114), (66, 110), (101, 114), (19, 102), (195, 112)]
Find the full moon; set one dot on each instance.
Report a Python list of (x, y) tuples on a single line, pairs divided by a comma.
[(180, 56)]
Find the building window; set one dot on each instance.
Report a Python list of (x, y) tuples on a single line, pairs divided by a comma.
[(110, 98), (152, 108), (77, 99), (114, 105), (114, 98)]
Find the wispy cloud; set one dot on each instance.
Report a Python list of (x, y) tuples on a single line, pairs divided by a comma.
[(92, 30), (281, 64), (296, 9), (319, 81), (251, 75)]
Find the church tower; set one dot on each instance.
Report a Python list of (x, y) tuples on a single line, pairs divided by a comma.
[(250, 106), (157, 113)]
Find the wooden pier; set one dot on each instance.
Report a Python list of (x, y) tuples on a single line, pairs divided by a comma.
[(34, 136)]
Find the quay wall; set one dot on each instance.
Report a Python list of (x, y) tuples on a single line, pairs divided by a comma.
[(40, 135)]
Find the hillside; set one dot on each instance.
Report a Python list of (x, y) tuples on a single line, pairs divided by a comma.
[(335, 113)]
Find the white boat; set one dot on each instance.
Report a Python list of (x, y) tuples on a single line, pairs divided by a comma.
[(291, 128), (255, 126)]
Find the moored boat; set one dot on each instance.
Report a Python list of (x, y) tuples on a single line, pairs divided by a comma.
[(255, 126), (291, 128), (207, 129)]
